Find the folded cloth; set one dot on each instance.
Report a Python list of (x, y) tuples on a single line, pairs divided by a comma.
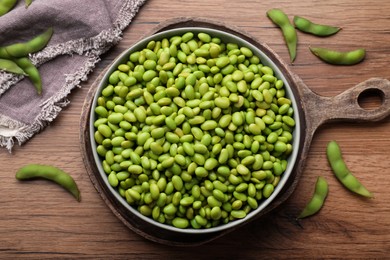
[(83, 31)]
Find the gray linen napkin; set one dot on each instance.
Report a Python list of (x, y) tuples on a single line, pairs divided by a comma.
[(83, 30)]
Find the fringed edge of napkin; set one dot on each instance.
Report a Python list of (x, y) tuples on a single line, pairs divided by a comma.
[(90, 47)]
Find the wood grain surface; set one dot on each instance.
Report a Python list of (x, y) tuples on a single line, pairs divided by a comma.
[(39, 220)]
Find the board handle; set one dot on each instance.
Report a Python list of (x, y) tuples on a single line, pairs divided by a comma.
[(345, 106)]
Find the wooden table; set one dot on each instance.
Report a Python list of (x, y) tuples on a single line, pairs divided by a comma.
[(40, 220)]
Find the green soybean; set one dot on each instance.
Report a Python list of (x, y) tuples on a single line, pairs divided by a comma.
[(341, 171), (339, 57), (238, 214), (279, 18), (268, 190), (33, 171), (113, 180), (307, 26), (317, 200), (180, 222)]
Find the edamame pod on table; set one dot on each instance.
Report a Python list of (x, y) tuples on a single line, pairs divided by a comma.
[(342, 172), (339, 58), (318, 199), (6, 6), (279, 18), (307, 26), (33, 171)]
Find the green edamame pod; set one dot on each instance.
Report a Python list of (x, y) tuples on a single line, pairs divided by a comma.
[(27, 3), (10, 66), (307, 26), (22, 49), (32, 171), (319, 196), (339, 58), (279, 18), (6, 6), (342, 172), (31, 71), (4, 54)]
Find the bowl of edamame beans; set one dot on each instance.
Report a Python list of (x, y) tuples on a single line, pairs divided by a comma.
[(194, 130)]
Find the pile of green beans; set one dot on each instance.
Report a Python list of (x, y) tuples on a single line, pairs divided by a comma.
[(14, 57), (194, 132)]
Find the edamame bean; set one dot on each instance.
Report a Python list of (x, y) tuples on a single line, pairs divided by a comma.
[(105, 130), (268, 190), (308, 26), (242, 169), (342, 172), (32, 171), (317, 200), (135, 169), (113, 180), (338, 57), (238, 214), (180, 222), (204, 37)]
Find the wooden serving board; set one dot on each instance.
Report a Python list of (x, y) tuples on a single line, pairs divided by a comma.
[(313, 110)]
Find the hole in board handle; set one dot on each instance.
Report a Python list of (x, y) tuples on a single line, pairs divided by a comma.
[(371, 99)]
